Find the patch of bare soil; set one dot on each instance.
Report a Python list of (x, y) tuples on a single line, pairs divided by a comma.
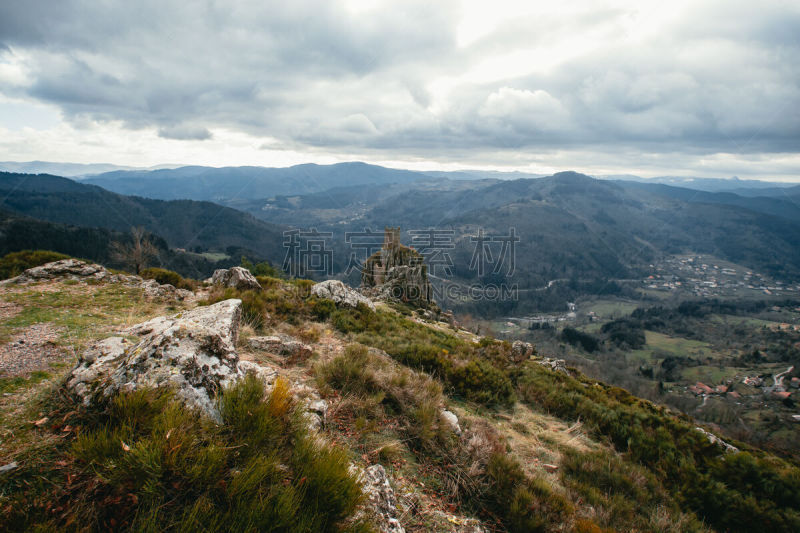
[(8, 310), (34, 348)]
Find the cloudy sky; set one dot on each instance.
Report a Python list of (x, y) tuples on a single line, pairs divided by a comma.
[(651, 88)]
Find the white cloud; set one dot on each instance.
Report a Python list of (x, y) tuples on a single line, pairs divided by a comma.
[(528, 84)]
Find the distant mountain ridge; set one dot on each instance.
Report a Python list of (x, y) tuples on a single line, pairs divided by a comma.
[(228, 183), (248, 182), (68, 170)]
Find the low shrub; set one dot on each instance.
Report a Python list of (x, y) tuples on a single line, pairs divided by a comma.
[(462, 366), (480, 382), (306, 333), (261, 269), (398, 391), (146, 463), (626, 495), (731, 492), (16, 263), (268, 282), (321, 308), (476, 473), (168, 277), (279, 300), (357, 320)]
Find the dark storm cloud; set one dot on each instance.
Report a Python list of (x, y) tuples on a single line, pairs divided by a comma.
[(721, 77)]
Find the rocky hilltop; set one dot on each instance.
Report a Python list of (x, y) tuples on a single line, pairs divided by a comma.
[(398, 272), (256, 403)]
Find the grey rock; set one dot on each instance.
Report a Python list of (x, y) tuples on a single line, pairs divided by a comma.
[(556, 365), (450, 319), (340, 293), (9, 467), (318, 406), (713, 439), (452, 421), (266, 375), (521, 351), (381, 499), (281, 345), (459, 524), (236, 277), (316, 411), (193, 352)]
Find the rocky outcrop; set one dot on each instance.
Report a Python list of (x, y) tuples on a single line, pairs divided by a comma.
[(340, 293), (281, 345), (397, 272), (521, 351), (381, 499), (236, 277), (76, 270), (450, 319), (556, 365), (713, 439), (192, 352)]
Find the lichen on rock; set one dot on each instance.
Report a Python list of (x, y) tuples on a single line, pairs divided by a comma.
[(340, 294), (236, 277), (192, 352)]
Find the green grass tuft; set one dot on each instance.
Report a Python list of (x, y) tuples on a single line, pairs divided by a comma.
[(147, 463)]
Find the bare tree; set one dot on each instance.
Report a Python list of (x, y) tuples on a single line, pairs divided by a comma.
[(136, 254)]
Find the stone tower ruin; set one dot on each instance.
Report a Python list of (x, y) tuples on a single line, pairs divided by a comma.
[(397, 272)]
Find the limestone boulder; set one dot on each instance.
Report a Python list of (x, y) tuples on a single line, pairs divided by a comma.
[(236, 277), (192, 352), (65, 268), (450, 319), (281, 345), (340, 293)]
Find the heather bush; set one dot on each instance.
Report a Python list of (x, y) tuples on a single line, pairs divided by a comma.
[(16, 263)]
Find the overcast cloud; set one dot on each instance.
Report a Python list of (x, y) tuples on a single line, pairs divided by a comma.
[(702, 88)]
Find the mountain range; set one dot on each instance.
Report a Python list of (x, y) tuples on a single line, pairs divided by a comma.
[(571, 227)]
